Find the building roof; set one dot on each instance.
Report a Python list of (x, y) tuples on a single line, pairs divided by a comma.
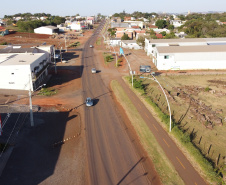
[(50, 27), (129, 41), (223, 39), (191, 49), (17, 50), (19, 59), (159, 36)]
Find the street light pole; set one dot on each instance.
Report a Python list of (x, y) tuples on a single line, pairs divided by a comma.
[(30, 102), (131, 72), (164, 94)]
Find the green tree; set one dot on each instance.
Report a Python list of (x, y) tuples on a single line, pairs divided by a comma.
[(161, 23), (125, 37), (141, 41), (163, 33)]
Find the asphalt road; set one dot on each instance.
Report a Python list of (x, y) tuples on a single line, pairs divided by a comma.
[(112, 158)]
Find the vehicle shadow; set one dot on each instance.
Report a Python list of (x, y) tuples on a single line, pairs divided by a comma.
[(95, 101)]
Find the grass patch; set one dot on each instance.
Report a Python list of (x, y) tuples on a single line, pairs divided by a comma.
[(47, 92), (165, 169), (182, 138), (98, 42), (108, 57), (75, 44)]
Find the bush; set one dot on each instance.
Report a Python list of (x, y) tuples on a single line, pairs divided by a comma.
[(207, 89), (3, 43)]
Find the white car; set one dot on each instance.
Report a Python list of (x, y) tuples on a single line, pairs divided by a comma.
[(93, 70), (89, 102), (91, 46)]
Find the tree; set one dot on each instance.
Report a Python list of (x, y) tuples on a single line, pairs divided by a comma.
[(141, 41), (163, 33), (125, 37), (171, 27), (161, 23)]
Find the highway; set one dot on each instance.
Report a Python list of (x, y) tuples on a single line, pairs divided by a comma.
[(112, 158)]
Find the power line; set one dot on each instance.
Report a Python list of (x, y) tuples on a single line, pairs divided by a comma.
[(10, 135)]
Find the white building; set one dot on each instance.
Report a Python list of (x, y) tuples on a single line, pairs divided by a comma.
[(190, 57), (130, 44), (46, 30), (22, 71)]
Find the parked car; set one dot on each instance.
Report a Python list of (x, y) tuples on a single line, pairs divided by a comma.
[(89, 102), (93, 70), (145, 69), (91, 46)]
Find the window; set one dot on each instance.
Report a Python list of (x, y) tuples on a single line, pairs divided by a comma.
[(166, 56), (153, 45)]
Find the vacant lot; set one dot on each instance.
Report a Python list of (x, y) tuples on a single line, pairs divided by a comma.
[(198, 107)]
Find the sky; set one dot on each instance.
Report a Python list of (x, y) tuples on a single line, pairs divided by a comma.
[(93, 7)]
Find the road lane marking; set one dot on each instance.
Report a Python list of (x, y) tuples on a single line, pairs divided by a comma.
[(166, 142), (146, 115), (196, 183), (139, 105), (155, 127), (180, 162)]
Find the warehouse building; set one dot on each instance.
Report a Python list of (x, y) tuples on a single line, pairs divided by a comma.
[(49, 30), (190, 57)]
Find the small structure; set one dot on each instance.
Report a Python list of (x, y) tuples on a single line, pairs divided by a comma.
[(46, 30)]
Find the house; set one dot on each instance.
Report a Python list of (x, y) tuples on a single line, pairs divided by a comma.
[(76, 25), (119, 34), (156, 30), (130, 44), (115, 42), (3, 31), (46, 30), (120, 25), (181, 34), (197, 57), (159, 36), (22, 71), (176, 23), (135, 23)]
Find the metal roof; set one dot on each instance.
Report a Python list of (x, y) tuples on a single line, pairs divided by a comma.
[(205, 40), (19, 59), (17, 50), (191, 49)]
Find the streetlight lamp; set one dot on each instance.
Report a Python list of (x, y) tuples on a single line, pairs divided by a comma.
[(164, 94)]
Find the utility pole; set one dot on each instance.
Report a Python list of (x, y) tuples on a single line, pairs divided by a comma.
[(30, 101), (55, 60)]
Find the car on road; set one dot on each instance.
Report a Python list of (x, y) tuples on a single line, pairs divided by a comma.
[(89, 102), (91, 46), (93, 70)]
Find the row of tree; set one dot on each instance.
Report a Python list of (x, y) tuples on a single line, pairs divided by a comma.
[(29, 26)]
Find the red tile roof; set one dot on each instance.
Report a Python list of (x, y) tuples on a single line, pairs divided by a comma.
[(159, 36)]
